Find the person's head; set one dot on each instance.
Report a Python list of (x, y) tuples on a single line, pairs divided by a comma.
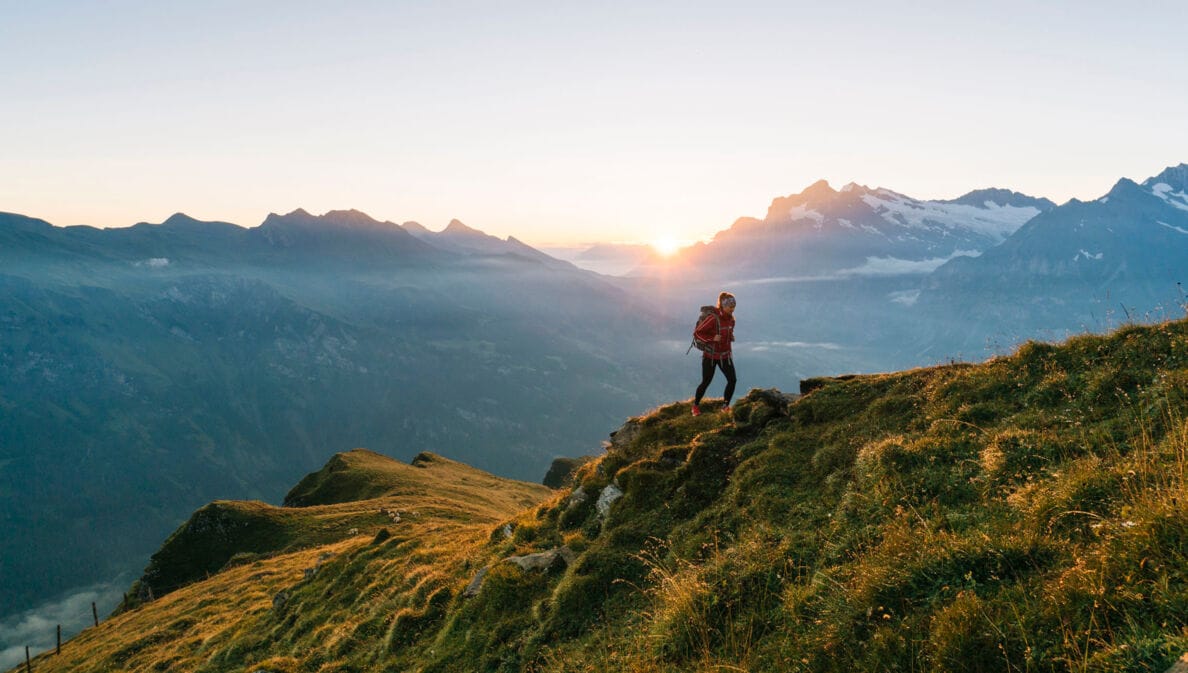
[(726, 303)]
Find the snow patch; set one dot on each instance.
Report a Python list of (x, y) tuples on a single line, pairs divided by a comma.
[(1088, 255), (153, 262), (1174, 199), (993, 220), (1172, 226), (905, 297), (803, 212)]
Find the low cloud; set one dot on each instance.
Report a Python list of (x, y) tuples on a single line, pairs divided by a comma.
[(893, 266), (154, 262), (781, 279), (872, 267), (37, 627), (790, 345), (905, 297)]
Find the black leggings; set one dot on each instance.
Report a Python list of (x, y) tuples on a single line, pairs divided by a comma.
[(707, 375)]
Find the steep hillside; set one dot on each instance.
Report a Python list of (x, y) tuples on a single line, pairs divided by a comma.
[(146, 371), (233, 561), (1028, 513)]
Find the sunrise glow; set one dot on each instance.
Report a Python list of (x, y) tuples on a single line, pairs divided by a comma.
[(666, 246)]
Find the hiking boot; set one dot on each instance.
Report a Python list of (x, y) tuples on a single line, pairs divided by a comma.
[(725, 408), (696, 410)]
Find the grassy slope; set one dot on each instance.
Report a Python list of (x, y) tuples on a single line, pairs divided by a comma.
[(1028, 513)]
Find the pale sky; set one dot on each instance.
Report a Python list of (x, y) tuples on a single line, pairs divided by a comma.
[(567, 122)]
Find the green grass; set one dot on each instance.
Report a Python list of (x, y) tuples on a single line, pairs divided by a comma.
[(1025, 514)]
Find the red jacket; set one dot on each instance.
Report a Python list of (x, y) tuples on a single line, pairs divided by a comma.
[(717, 324)]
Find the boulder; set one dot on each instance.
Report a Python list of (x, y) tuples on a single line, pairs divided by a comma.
[(607, 498), (280, 599), (543, 560), (773, 397), (577, 498), (621, 438), (476, 584), (560, 557)]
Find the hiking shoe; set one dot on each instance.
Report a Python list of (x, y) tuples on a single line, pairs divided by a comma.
[(726, 408), (696, 410)]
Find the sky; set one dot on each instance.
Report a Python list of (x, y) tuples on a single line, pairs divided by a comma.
[(566, 123)]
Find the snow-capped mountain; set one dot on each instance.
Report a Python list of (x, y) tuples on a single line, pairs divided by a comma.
[(1083, 265), (859, 231)]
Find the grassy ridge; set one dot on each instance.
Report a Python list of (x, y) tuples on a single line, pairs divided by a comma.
[(1028, 513)]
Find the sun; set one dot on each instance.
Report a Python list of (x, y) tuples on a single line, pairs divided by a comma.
[(665, 246)]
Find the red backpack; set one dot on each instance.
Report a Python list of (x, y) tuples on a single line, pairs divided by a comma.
[(704, 346)]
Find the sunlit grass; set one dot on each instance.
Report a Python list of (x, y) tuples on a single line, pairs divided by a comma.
[(1026, 514)]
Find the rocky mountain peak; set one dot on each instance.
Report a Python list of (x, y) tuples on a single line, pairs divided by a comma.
[(179, 219), (1124, 186), (819, 190), (352, 217), (1174, 176), (458, 228), (416, 228), (334, 219), (979, 198)]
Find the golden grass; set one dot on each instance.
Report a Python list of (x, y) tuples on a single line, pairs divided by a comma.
[(447, 512)]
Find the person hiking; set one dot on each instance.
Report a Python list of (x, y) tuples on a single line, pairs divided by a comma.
[(715, 334)]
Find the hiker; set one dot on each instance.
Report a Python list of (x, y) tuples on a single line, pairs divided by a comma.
[(713, 336)]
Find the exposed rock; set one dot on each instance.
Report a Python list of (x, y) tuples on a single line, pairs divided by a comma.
[(280, 599), (543, 560), (476, 584), (507, 530), (311, 572), (674, 456), (774, 397), (577, 498), (144, 592), (608, 496), (1181, 665), (620, 438)]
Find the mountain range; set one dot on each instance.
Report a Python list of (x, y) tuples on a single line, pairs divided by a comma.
[(1086, 265), (147, 370), (897, 281), (858, 231)]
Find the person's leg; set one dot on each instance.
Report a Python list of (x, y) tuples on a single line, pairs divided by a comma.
[(707, 375), (728, 370)]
